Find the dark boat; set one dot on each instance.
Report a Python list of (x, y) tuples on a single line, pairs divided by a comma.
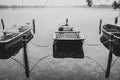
[(107, 31), (11, 41), (68, 42)]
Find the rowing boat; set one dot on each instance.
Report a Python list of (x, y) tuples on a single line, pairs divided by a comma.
[(11, 40), (107, 31), (68, 42)]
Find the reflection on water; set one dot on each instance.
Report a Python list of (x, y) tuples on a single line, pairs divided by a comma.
[(47, 21)]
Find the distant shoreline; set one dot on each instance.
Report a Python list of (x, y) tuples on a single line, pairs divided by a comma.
[(81, 6)]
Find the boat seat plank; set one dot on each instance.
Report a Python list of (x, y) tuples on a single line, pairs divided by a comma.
[(67, 35)]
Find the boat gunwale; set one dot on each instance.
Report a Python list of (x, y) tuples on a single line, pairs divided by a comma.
[(16, 36), (110, 33)]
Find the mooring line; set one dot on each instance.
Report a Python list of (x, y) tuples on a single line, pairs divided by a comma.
[(18, 62), (96, 63), (90, 44), (39, 45), (38, 62), (114, 61)]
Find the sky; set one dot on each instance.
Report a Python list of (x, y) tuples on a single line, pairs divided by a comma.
[(52, 2)]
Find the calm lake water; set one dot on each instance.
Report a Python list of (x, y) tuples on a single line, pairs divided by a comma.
[(47, 21)]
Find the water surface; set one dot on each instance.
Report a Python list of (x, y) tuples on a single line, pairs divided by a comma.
[(47, 21)]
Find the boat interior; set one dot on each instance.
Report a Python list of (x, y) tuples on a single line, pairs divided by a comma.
[(7, 35), (12, 32), (115, 30)]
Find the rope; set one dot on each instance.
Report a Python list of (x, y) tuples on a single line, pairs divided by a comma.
[(17, 62), (97, 44), (39, 45), (114, 61), (38, 62), (96, 63), (93, 44)]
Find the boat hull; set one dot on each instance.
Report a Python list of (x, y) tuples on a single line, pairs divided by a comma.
[(116, 47), (107, 31), (68, 49), (12, 47)]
